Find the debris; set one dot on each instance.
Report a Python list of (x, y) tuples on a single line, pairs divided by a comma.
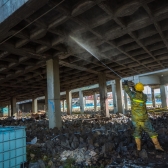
[(91, 140), (34, 165), (143, 154), (32, 156), (33, 141), (41, 164)]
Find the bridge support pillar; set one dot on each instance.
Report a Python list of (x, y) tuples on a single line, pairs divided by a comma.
[(153, 97), (9, 110), (69, 102), (126, 101), (81, 101), (95, 102), (113, 85), (46, 103), (120, 103), (53, 90), (103, 95), (163, 96), (13, 106), (63, 105), (34, 105)]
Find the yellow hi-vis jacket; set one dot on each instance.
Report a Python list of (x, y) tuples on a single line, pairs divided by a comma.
[(138, 104)]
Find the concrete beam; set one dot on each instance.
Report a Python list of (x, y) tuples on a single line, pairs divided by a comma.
[(8, 7), (12, 12), (53, 89), (149, 80), (103, 95), (164, 80)]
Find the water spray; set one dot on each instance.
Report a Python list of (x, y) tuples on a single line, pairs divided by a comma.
[(92, 53)]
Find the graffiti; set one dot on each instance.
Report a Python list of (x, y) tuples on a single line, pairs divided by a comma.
[(51, 103)]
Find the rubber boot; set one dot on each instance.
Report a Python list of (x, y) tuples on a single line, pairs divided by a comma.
[(138, 143), (157, 144)]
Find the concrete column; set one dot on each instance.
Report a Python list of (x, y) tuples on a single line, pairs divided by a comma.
[(125, 101), (163, 95), (46, 103), (153, 97), (103, 95), (53, 90), (23, 110), (114, 96), (69, 102), (13, 106), (9, 110), (85, 100), (81, 101), (95, 102), (63, 105), (120, 103), (34, 105)]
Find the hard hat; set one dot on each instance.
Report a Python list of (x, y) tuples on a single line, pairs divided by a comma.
[(139, 87)]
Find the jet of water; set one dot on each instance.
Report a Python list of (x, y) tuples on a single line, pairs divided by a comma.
[(87, 48)]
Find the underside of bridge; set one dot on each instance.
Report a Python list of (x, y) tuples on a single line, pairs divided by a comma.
[(129, 36)]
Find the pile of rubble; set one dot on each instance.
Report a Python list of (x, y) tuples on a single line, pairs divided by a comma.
[(92, 140)]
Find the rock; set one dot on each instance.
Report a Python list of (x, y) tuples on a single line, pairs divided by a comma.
[(91, 141), (75, 143), (41, 164), (34, 165), (134, 153), (49, 145), (53, 166), (32, 155), (124, 149), (65, 143), (50, 163), (81, 140), (143, 154), (158, 156)]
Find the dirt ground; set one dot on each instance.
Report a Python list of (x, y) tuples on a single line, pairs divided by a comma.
[(92, 141)]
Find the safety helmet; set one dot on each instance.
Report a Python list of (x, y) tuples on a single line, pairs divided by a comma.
[(139, 87)]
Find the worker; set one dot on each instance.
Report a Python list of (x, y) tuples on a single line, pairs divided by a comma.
[(140, 119)]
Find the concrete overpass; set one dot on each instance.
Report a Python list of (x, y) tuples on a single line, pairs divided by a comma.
[(38, 57)]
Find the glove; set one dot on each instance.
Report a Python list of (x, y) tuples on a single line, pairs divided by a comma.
[(125, 82)]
